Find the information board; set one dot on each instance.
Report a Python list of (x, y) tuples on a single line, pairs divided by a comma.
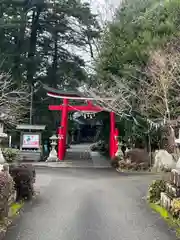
[(31, 141)]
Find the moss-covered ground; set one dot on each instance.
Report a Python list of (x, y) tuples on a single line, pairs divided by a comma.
[(15, 207), (172, 222), (13, 212)]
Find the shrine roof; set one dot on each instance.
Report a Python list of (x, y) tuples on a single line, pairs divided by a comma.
[(63, 93), (30, 127)]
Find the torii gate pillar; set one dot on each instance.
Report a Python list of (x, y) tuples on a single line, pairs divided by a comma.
[(63, 130), (112, 135)]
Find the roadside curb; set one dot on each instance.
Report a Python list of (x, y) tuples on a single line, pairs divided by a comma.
[(137, 173), (68, 167)]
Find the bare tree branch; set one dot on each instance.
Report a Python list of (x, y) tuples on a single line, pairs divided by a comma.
[(13, 100), (114, 97), (162, 87)]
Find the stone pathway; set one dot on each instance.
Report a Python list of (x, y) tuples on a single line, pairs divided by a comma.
[(99, 160), (79, 156)]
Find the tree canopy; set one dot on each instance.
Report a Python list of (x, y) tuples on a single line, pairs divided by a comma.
[(138, 26), (41, 41), (138, 29), (138, 62)]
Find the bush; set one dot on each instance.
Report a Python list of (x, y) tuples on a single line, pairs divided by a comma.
[(122, 164), (155, 189), (24, 177), (128, 165), (6, 193), (138, 156), (175, 207), (10, 154)]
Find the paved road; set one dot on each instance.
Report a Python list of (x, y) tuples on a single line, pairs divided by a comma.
[(89, 204)]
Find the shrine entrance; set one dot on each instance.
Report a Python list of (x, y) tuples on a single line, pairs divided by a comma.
[(88, 108)]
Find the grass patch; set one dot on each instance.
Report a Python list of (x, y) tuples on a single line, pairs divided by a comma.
[(15, 207), (162, 211), (13, 212), (172, 222)]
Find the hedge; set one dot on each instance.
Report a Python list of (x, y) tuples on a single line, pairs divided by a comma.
[(24, 177)]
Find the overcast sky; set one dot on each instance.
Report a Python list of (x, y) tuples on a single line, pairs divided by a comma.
[(105, 8)]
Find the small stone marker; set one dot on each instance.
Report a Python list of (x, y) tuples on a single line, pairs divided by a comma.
[(175, 177), (170, 198), (172, 190), (165, 201)]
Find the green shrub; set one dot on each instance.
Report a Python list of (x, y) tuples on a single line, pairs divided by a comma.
[(24, 177), (6, 193), (155, 189), (10, 154), (137, 155)]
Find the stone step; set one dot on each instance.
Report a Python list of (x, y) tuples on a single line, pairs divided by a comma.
[(78, 156), (30, 156)]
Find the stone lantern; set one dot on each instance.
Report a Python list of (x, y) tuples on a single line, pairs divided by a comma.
[(119, 152), (53, 153)]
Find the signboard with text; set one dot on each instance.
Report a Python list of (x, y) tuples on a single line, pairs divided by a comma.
[(31, 141)]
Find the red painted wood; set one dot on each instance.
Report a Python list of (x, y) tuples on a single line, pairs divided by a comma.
[(76, 108), (72, 96), (60, 144), (69, 96), (63, 130), (64, 95), (112, 134), (116, 135)]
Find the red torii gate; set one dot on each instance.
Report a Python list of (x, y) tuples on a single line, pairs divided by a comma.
[(65, 108)]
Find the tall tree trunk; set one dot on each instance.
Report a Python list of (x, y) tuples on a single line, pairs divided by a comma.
[(90, 47), (31, 67), (52, 75), (18, 50), (55, 60)]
